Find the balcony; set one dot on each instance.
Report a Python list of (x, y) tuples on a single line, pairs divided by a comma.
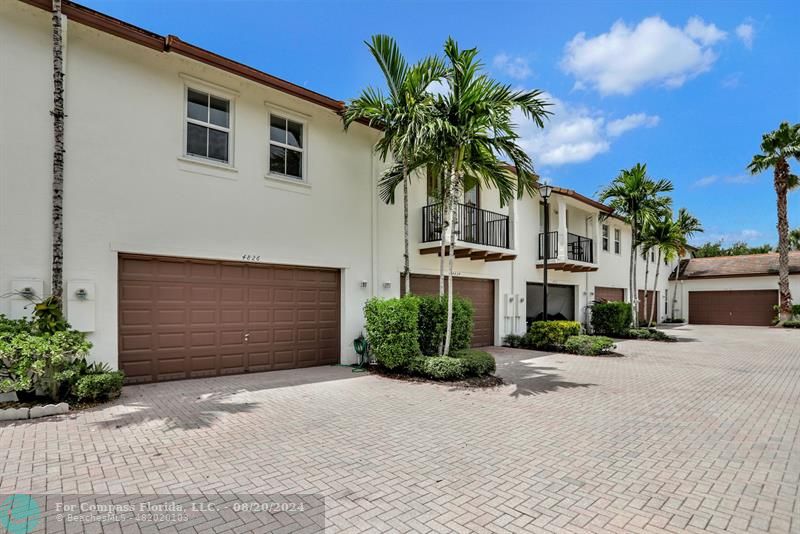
[(480, 234), (574, 254)]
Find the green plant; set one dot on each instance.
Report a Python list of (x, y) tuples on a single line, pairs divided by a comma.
[(796, 309), (651, 334), (512, 340), (550, 334), (791, 324), (99, 386), (43, 362), (611, 318), (476, 362), (392, 330), (589, 345), (433, 323), (675, 320), (48, 316), (444, 368)]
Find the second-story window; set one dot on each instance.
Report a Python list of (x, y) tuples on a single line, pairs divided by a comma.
[(617, 241), (208, 121), (605, 237), (286, 146)]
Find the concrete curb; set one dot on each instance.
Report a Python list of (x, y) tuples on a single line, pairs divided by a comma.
[(14, 414)]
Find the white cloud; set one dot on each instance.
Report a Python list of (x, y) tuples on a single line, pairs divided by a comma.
[(707, 34), (439, 87), (748, 235), (618, 127), (653, 52), (705, 181), (516, 67), (574, 134), (732, 179), (746, 33), (732, 81)]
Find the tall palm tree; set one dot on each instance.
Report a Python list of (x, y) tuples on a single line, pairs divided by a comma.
[(777, 148), (57, 268), (637, 199), (474, 130), (402, 115), (666, 237), (688, 226)]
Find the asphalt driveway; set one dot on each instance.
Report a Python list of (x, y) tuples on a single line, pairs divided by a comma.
[(698, 435)]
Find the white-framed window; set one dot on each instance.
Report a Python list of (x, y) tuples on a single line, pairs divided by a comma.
[(605, 237), (617, 241), (208, 125), (287, 146)]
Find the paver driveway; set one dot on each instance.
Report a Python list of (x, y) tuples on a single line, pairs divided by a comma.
[(690, 436)]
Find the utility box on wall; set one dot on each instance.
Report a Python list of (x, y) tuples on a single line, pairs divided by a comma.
[(25, 292), (81, 305)]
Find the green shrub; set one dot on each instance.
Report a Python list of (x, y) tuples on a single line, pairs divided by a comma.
[(392, 330), (791, 324), (512, 340), (651, 334), (611, 318), (550, 334), (39, 361), (796, 311), (476, 362), (433, 324), (444, 368), (416, 365), (589, 345), (99, 386)]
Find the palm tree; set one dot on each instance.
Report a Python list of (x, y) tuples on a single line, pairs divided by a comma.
[(665, 235), (688, 226), (474, 129), (402, 114), (637, 199), (57, 273), (794, 239), (777, 148)]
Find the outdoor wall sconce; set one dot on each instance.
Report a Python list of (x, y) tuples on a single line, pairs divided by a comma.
[(81, 294), (27, 292), (387, 285), (363, 283)]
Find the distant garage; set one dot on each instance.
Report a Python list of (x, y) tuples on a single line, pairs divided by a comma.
[(732, 290)]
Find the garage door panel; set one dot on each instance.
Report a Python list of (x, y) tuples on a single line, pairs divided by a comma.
[(181, 318), (609, 294), (735, 307)]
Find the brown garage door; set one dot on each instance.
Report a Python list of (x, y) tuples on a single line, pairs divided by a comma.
[(644, 313), (753, 307), (186, 318), (609, 294), (480, 292)]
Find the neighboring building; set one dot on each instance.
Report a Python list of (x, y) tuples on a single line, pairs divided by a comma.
[(732, 290), (219, 220)]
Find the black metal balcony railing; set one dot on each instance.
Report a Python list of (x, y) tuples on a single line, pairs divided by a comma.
[(579, 248), (552, 246), (472, 224)]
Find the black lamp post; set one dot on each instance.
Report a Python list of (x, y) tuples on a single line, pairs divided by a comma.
[(545, 191)]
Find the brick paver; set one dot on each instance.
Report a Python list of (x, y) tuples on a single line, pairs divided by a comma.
[(700, 435)]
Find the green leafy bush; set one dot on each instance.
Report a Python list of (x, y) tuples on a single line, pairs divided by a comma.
[(796, 311), (433, 324), (791, 324), (550, 334), (392, 330), (476, 362), (99, 386), (48, 316), (39, 362), (589, 345), (651, 334), (444, 368), (512, 340), (611, 318)]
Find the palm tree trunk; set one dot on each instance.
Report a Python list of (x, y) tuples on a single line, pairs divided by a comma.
[(646, 276), (632, 278), (444, 214), (454, 192), (655, 286), (406, 267), (58, 157), (781, 188)]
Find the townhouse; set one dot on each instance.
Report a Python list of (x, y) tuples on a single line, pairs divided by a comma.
[(219, 220)]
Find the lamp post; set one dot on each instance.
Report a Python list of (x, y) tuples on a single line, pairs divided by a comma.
[(545, 190)]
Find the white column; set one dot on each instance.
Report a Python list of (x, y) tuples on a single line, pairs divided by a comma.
[(598, 237), (562, 229)]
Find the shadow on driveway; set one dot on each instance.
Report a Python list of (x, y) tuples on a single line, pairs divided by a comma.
[(198, 403), (518, 367)]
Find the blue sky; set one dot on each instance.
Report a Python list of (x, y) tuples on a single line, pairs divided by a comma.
[(686, 87)]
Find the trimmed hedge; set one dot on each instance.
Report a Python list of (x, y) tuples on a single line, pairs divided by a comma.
[(476, 362), (589, 345), (99, 386), (611, 318), (651, 334), (444, 368), (550, 334), (393, 331), (791, 324), (512, 340), (433, 324)]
